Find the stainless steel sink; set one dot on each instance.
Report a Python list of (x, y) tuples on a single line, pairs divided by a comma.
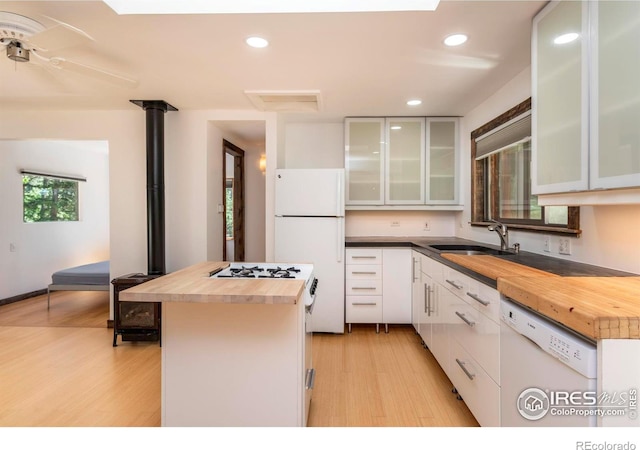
[(469, 249)]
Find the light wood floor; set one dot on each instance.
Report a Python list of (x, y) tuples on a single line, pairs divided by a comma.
[(58, 368)]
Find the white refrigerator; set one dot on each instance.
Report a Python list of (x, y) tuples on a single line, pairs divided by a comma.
[(309, 228)]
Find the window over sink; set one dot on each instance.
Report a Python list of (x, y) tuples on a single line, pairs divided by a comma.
[(501, 178)]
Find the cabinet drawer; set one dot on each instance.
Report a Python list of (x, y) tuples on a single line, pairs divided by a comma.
[(363, 309), (484, 299), (363, 287), (363, 256), (478, 390), (478, 335), (363, 272)]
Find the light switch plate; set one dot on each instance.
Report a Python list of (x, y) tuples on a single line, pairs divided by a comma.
[(564, 246)]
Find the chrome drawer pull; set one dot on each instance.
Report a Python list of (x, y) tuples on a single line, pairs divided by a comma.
[(454, 284), (464, 319), (356, 288), (363, 273), (364, 257), (310, 378), (364, 303), (464, 369), (478, 299)]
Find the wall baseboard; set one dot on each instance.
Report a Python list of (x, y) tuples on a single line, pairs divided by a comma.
[(17, 298)]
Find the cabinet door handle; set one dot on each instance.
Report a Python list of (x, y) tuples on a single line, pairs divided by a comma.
[(356, 288), (363, 273), (454, 284), (413, 270), (465, 370), (464, 319), (364, 303), (426, 299), (478, 299), (310, 378), (363, 257)]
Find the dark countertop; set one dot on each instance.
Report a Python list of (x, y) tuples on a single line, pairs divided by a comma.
[(557, 266)]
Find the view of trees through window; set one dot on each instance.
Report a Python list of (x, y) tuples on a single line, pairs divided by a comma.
[(48, 199), (229, 207)]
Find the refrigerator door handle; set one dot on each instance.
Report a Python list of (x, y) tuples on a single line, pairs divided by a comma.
[(339, 195), (340, 239)]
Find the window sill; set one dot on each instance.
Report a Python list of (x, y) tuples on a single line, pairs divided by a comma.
[(534, 228)]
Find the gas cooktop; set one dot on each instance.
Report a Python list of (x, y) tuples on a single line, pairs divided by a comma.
[(265, 270)]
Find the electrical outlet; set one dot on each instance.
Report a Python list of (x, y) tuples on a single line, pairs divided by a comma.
[(564, 246), (427, 227), (395, 223), (547, 244)]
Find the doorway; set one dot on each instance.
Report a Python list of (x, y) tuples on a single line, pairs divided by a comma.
[(233, 201)]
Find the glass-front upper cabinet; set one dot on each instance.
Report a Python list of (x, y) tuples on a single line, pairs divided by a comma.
[(405, 137), (560, 108), (615, 94), (364, 160), (442, 161)]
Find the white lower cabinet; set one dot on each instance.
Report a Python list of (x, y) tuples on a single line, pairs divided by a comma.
[(378, 286), (461, 320)]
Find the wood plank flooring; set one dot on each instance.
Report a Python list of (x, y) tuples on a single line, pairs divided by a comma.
[(58, 368)]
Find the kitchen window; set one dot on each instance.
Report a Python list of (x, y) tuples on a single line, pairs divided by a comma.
[(47, 198), (501, 178)]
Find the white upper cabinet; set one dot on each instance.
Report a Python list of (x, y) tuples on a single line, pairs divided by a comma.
[(364, 160), (402, 163), (586, 97), (405, 161), (442, 161), (615, 94), (560, 109)]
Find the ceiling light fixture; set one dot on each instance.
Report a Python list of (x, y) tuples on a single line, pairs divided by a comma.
[(415, 102), (256, 42), (565, 38), (396, 127), (455, 39), (253, 7)]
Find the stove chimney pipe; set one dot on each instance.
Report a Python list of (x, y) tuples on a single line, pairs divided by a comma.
[(155, 110)]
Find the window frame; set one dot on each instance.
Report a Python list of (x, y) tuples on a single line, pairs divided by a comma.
[(479, 185)]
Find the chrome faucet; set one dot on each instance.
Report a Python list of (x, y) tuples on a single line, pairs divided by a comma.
[(503, 232)]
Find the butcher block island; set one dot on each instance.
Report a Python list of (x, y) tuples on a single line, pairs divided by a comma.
[(235, 346)]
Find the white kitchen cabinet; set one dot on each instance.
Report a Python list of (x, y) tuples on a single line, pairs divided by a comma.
[(404, 168), (402, 163), (378, 286), (442, 160), (417, 290), (364, 160), (615, 95), (585, 98), (363, 286), (396, 286)]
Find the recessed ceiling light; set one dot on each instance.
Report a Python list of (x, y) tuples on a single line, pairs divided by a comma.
[(455, 39), (414, 102), (257, 42), (396, 127), (566, 38)]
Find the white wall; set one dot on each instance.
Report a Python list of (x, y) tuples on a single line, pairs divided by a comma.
[(609, 233), (43, 248)]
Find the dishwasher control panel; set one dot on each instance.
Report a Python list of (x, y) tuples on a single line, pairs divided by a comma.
[(575, 352)]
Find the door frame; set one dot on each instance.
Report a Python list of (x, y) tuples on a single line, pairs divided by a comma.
[(238, 199)]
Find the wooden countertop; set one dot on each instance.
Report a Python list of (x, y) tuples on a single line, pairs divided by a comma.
[(193, 284), (597, 307)]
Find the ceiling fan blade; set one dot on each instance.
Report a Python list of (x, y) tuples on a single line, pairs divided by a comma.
[(59, 36), (94, 72)]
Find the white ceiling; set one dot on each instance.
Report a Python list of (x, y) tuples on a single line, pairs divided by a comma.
[(362, 63)]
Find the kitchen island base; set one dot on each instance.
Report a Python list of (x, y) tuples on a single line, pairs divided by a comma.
[(233, 365)]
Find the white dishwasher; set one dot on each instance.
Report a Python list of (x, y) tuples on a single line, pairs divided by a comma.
[(547, 373)]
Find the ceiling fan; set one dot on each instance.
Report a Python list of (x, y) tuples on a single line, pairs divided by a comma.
[(28, 41)]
